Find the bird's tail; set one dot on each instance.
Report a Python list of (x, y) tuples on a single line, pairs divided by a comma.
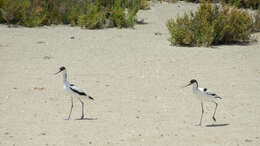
[(90, 97)]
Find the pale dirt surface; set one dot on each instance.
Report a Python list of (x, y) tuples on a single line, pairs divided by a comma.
[(135, 77)]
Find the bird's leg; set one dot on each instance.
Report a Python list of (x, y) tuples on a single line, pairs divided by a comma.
[(215, 112), (82, 103), (202, 112), (70, 108)]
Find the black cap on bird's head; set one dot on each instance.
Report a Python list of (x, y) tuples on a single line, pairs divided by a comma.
[(192, 82), (62, 68)]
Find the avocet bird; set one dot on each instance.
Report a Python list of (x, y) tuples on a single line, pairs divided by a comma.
[(204, 95), (74, 90)]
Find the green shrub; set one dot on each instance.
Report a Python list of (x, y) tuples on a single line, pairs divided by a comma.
[(118, 16), (238, 26), (94, 18), (131, 15), (86, 13), (256, 24), (73, 15), (194, 1), (122, 18), (33, 19), (210, 25), (1, 17), (52, 13), (254, 4), (11, 11), (31, 16), (144, 5)]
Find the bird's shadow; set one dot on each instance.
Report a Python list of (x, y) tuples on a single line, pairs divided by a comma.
[(218, 125), (87, 119)]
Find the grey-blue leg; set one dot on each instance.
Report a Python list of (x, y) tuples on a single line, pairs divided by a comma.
[(70, 108), (215, 112), (82, 103), (202, 112)]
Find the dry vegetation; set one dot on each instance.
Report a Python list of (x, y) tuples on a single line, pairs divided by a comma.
[(211, 25), (88, 14)]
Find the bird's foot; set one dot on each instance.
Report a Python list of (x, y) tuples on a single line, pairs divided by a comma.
[(198, 124), (82, 117), (67, 118), (214, 119)]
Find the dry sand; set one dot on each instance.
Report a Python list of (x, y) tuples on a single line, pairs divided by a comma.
[(135, 77)]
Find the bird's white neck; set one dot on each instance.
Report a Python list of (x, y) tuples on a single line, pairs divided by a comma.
[(195, 86), (64, 76)]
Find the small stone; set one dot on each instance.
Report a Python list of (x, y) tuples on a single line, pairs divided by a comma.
[(41, 42), (248, 140), (42, 133), (47, 57), (38, 88), (157, 33), (139, 21)]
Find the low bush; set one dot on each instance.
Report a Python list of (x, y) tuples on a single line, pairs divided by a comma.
[(122, 17), (256, 25), (194, 1), (131, 15), (118, 16), (210, 25), (86, 13), (254, 4), (31, 16), (198, 1), (1, 17), (94, 18), (11, 11), (144, 5)]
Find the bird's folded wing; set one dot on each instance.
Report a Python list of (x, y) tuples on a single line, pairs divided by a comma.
[(77, 90), (213, 95)]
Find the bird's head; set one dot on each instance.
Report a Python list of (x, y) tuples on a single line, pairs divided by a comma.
[(62, 68), (193, 81)]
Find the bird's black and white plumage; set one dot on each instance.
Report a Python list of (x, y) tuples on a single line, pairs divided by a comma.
[(204, 95), (74, 90)]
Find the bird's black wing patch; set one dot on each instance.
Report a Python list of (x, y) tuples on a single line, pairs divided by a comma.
[(205, 89), (214, 95), (78, 92), (90, 97), (72, 85)]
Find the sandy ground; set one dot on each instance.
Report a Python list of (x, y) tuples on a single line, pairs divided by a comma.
[(135, 77)]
